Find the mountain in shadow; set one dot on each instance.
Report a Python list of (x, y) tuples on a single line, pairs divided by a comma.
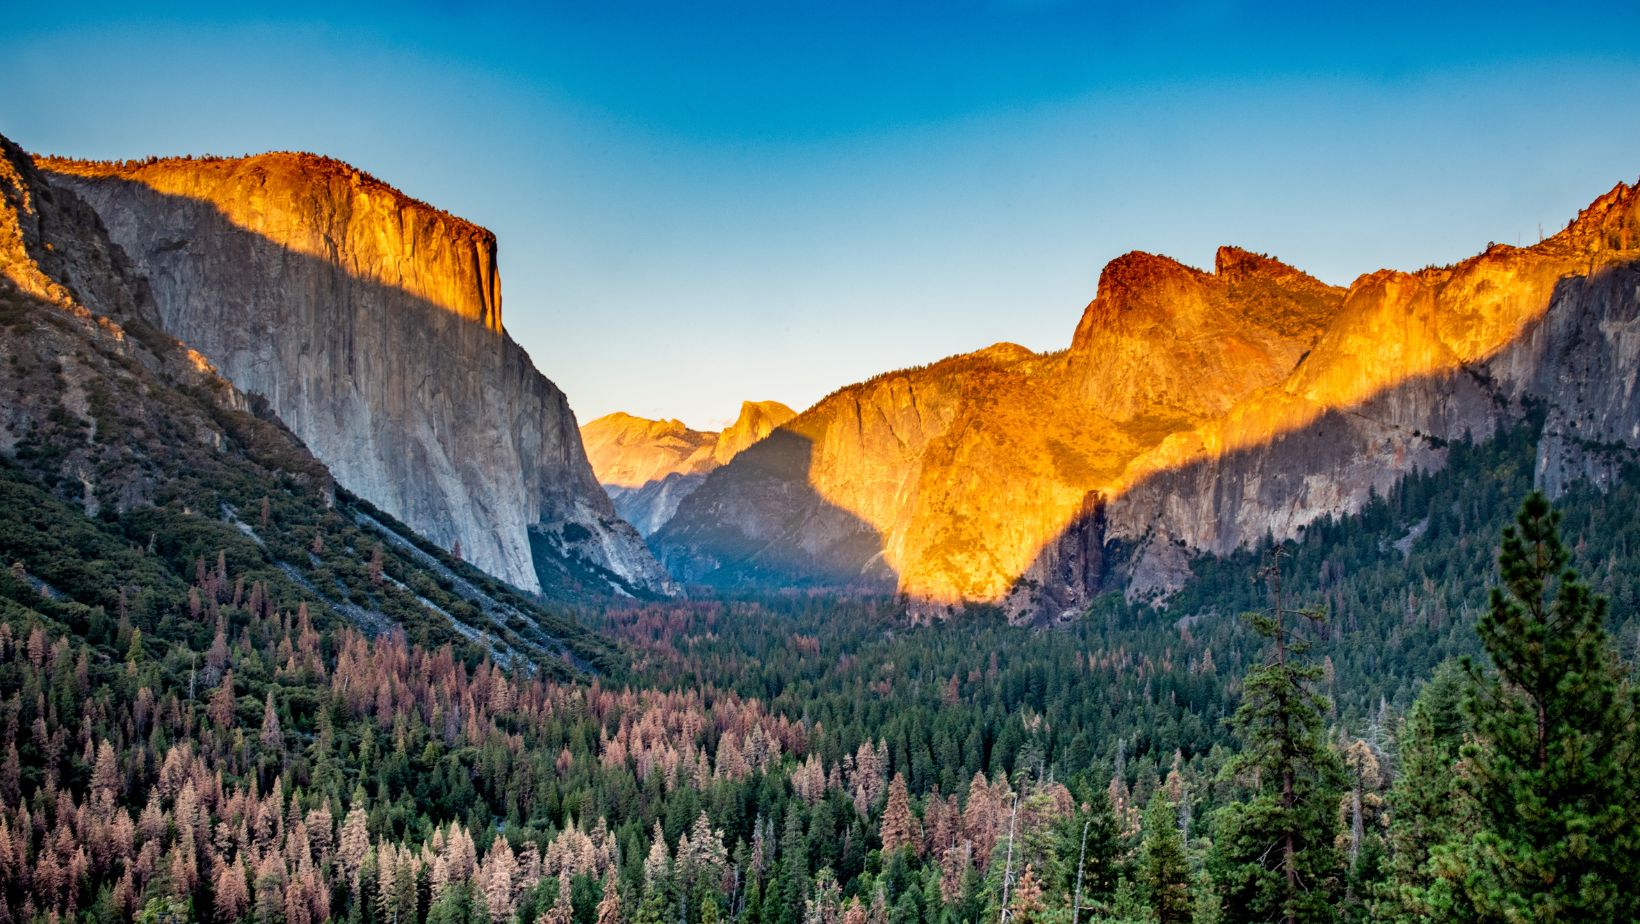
[(727, 534)]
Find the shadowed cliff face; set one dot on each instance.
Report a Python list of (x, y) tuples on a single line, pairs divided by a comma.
[(372, 324), (649, 466), (729, 540), (1199, 412), (95, 401)]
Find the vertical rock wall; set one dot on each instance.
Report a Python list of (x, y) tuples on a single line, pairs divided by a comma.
[(372, 324)]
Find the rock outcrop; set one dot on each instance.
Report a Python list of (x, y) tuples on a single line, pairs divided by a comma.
[(649, 466), (1193, 413), (95, 400), (372, 325), (127, 462)]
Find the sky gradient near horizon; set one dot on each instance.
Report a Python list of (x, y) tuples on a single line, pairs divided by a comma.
[(699, 204)]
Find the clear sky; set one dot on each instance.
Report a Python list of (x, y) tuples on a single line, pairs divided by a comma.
[(703, 203)]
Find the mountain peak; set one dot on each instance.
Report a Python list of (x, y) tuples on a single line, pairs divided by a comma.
[(1236, 265), (1137, 273), (628, 451), (752, 410), (1005, 351), (757, 420), (1161, 334), (649, 466), (1610, 222), (307, 163), (323, 209)]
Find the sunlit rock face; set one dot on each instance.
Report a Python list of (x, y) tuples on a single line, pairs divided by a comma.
[(931, 479), (649, 466), (1194, 412), (372, 324), (1411, 362)]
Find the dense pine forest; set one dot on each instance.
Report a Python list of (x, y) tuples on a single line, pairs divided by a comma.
[(1417, 713)]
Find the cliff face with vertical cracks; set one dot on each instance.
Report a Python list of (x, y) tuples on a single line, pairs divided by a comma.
[(649, 466), (1194, 413), (1411, 362), (372, 324)]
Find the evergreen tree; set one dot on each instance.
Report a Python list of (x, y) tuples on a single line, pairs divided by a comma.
[(1275, 855), (1099, 849), (1163, 870), (791, 885), (1552, 766), (1427, 807), (609, 902)]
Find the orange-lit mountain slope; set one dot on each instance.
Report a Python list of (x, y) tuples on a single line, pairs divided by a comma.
[(649, 466), (372, 324), (1194, 412)]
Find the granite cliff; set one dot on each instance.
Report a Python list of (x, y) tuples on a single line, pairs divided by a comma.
[(372, 325), (1193, 413), (649, 466), (127, 462)]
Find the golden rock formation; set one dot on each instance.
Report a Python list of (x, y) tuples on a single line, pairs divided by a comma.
[(371, 322), (649, 466), (1165, 424), (331, 211)]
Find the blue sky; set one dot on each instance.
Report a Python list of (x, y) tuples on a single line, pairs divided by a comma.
[(704, 203)]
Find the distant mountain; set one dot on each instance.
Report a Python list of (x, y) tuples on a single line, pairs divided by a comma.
[(649, 466), (1193, 413), (371, 324)]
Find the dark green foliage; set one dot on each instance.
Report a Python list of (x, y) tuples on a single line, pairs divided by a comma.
[(1428, 807), (1092, 837), (1163, 871), (1275, 853), (1552, 768)]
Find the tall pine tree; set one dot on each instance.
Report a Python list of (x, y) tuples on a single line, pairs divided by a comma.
[(1275, 856), (1553, 764), (1164, 871), (1429, 812)]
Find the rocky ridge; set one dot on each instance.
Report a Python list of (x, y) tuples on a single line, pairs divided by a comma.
[(649, 466), (372, 325), (1193, 413)]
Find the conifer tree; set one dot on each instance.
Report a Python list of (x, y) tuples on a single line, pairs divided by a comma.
[(1164, 871), (1275, 856), (272, 737), (1099, 851), (1027, 904), (791, 883), (355, 838), (899, 829), (656, 880), (1427, 806), (561, 912), (609, 905), (1552, 766), (221, 708)]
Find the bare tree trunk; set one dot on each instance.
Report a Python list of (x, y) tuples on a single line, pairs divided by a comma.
[(1081, 863), (1008, 868)]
